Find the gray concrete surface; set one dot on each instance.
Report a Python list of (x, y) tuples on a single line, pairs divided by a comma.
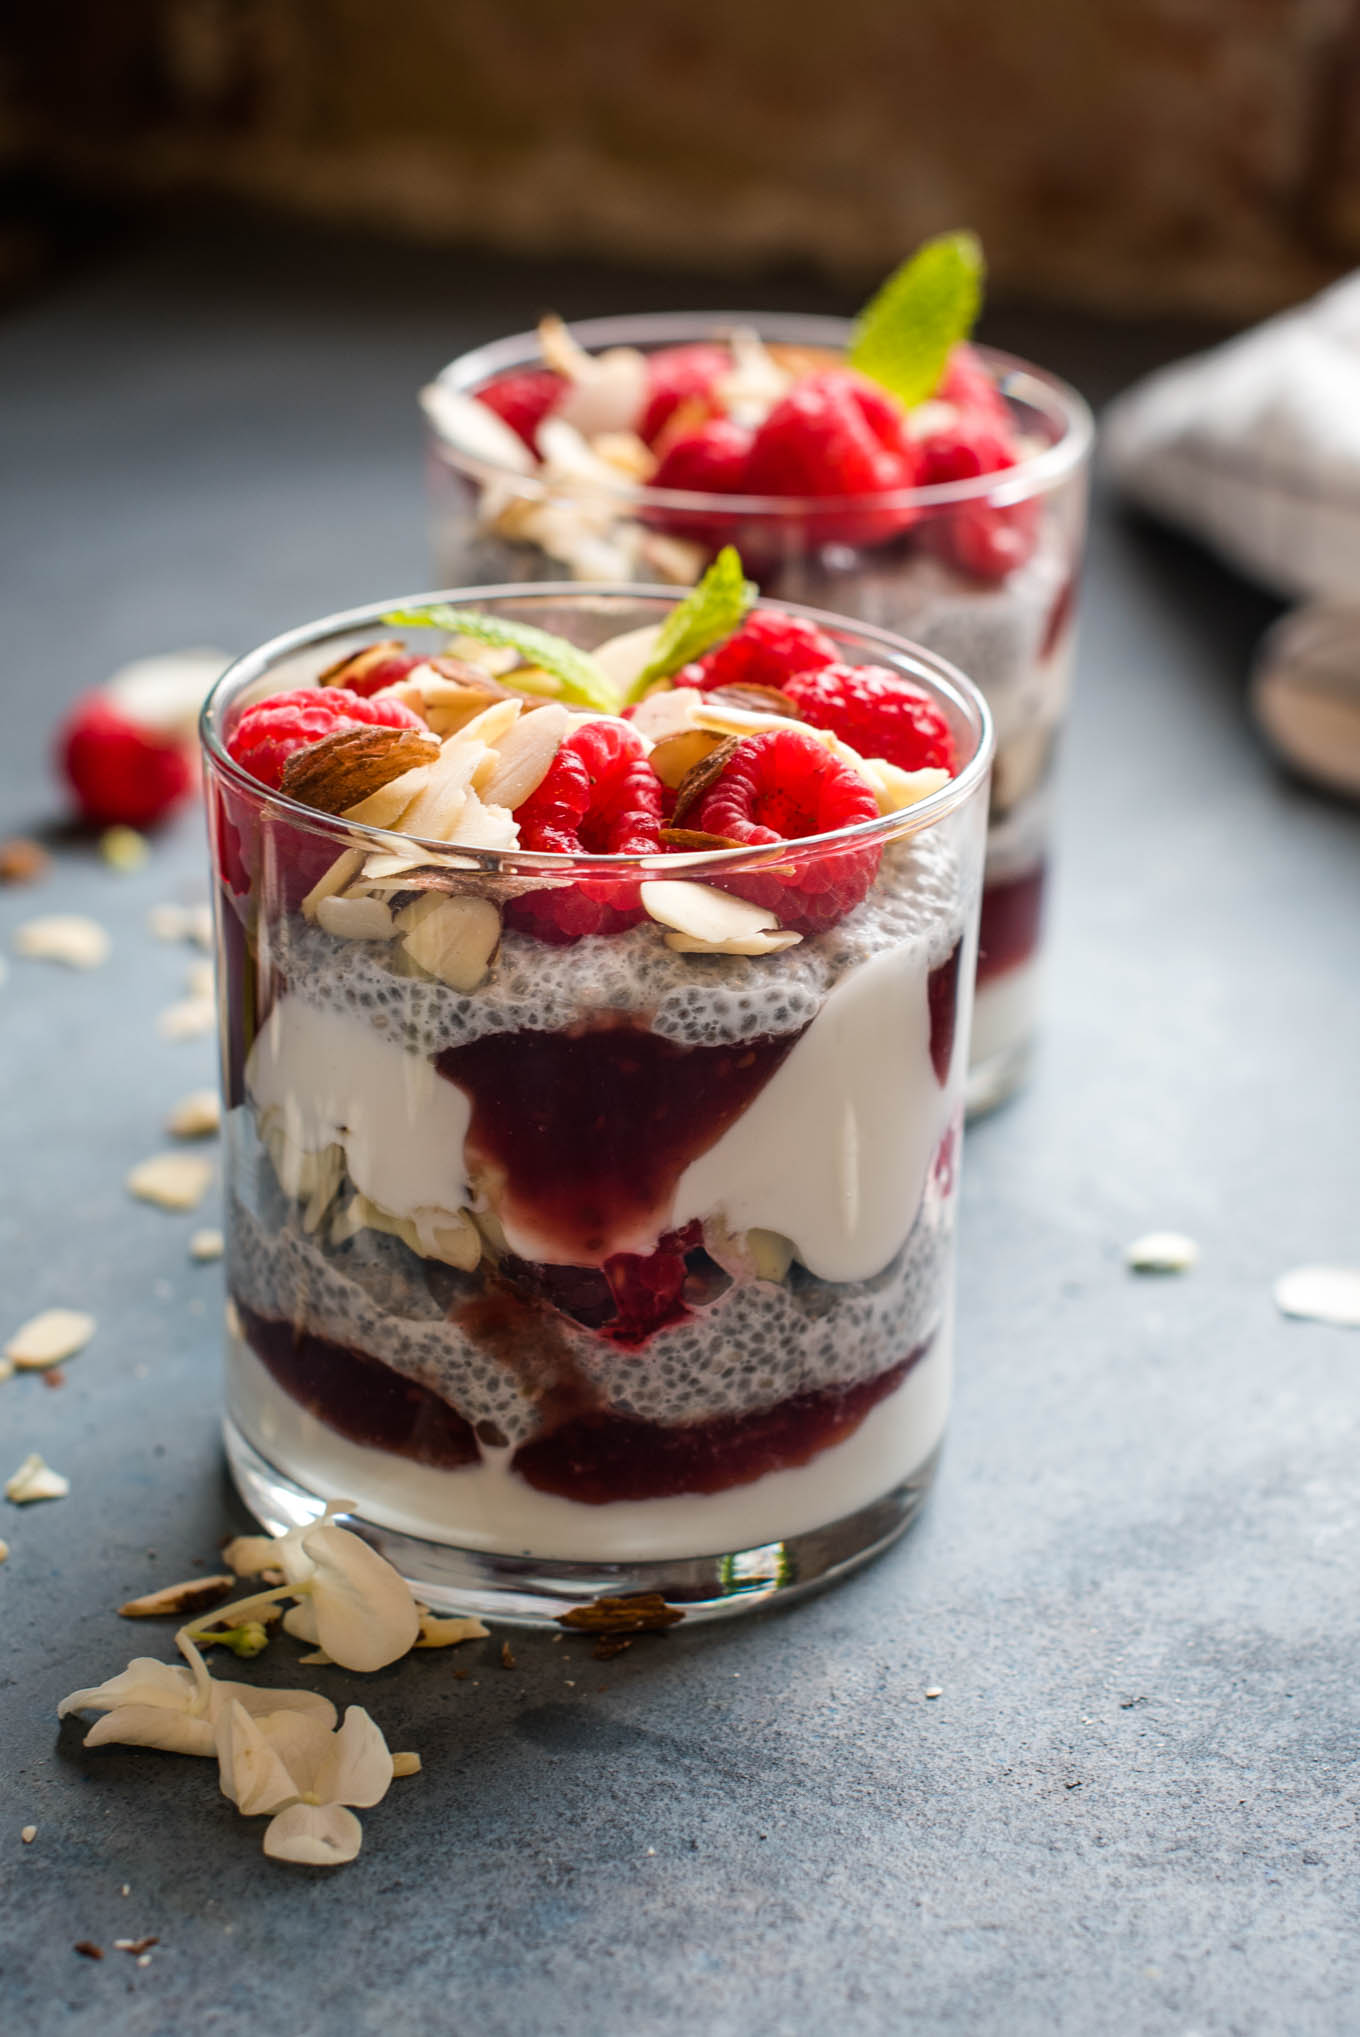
[(1133, 1808)]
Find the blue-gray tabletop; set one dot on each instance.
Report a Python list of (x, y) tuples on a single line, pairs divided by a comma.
[(1132, 1805)]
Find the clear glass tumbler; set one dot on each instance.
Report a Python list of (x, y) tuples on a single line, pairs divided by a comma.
[(982, 571), (629, 1270)]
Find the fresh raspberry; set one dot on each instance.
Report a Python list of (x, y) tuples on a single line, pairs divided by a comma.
[(370, 670), (837, 434), (768, 649), (523, 398), (780, 787), (269, 733), (967, 384), (709, 461), (122, 773), (677, 375), (602, 798), (877, 712), (986, 540), (970, 444)]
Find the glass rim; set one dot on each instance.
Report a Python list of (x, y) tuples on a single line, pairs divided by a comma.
[(1033, 474), (914, 660)]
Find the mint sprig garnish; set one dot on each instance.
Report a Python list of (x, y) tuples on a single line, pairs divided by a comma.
[(903, 335), (712, 609), (579, 678)]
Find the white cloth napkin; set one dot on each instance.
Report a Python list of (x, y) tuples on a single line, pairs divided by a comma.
[(1254, 446)]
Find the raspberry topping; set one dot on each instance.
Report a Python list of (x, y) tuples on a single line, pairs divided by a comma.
[(122, 773), (677, 375), (986, 539), (523, 398), (877, 712), (970, 444), (968, 386), (600, 797), (782, 786), (836, 433), (268, 734), (709, 461), (768, 649)]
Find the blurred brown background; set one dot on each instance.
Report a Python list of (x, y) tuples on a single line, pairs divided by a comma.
[(1131, 155)]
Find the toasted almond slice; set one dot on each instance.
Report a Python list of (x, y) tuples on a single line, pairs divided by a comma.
[(385, 807), (406, 1763), (35, 1480), (342, 769), (452, 939), (435, 811), (669, 711), (342, 873), (205, 1246), (492, 723), (188, 1019), (196, 1116), (193, 1595), (700, 777), (696, 840), (772, 943), (486, 827), (725, 718), (49, 1338), (523, 755), (756, 700), (895, 788), (123, 848), (437, 1633), (674, 757), (356, 919), (703, 913), (67, 937), (171, 1180), (632, 456)]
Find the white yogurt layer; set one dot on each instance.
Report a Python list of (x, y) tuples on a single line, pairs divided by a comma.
[(335, 1081), (1005, 1011), (485, 1506), (832, 1153)]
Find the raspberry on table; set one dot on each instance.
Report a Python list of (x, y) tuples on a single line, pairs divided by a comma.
[(837, 434), (677, 375), (600, 797), (523, 398), (122, 773), (877, 712), (271, 731), (768, 649), (782, 786)]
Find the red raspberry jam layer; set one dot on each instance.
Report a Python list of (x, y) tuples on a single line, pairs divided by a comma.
[(591, 1131), (1008, 932)]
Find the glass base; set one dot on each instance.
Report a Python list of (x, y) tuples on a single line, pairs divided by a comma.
[(992, 1081), (531, 1591)]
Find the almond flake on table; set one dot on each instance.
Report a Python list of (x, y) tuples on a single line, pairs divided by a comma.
[(438, 1633), (172, 1181), (201, 979), (188, 1019), (192, 1595), (23, 861), (47, 1339), (35, 1480), (207, 1245), (171, 922), (4, 1551), (406, 1764), (28, 1833), (1321, 1294), (67, 937), (196, 1116), (123, 848), (1161, 1252)]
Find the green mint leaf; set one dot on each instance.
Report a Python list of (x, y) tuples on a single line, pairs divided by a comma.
[(903, 335), (709, 612), (580, 678)]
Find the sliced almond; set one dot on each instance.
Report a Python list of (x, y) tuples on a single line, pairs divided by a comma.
[(700, 777), (474, 428), (452, 939), (486, 827), (194, 1595), (365, 664), (50, 1338), (171, 1180), (196, 1116), (725, 718), (667, 711), (205, 1246), (22, 861), (493, 722), (702, 913), (250, 1555), (67, 937), (756, 700), (773, 943), (523, 755), (356, 919), (435, 811), (200, 979), (676, 561), (385, 807), (437, 1633), (695, 840), (342, 769), (35, 1480), (674, 757), (406, 1763), (894, 788), (123, 848), (341, 874), (188, 1019)]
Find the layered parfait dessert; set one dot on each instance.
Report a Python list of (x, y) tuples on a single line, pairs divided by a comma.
[(595, 978), (887, 469)]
